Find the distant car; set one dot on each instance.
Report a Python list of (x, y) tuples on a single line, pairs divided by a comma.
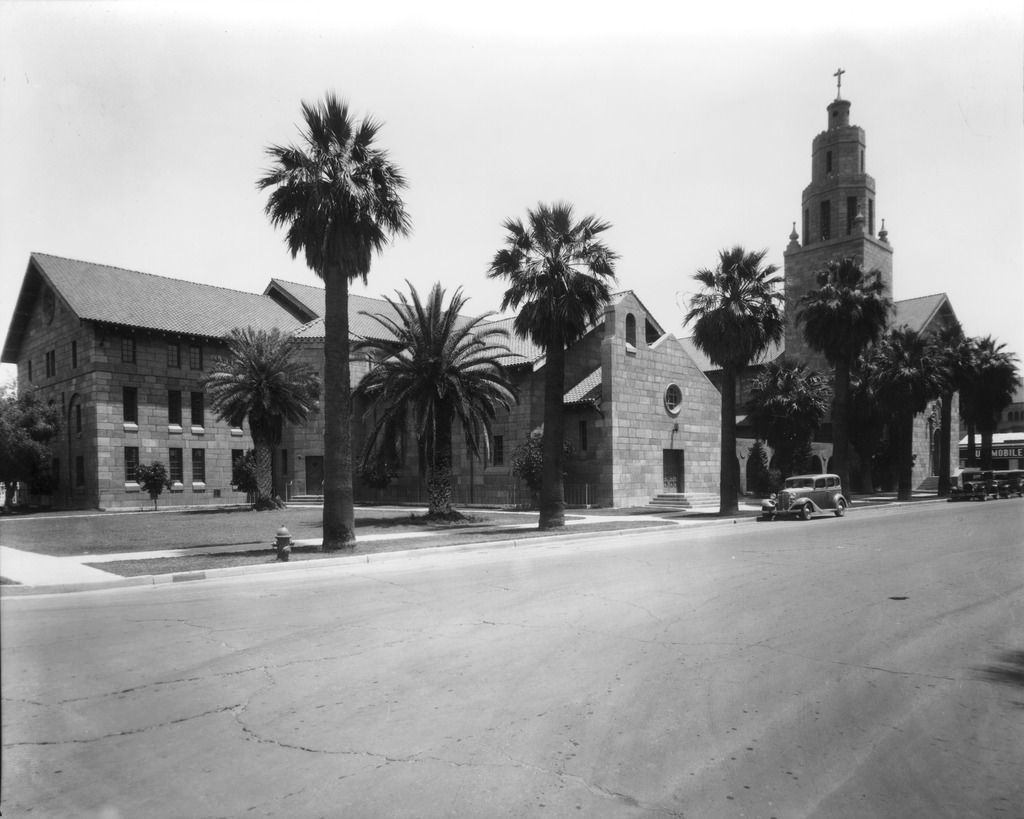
[(975, 484), (1010, 482), (805, 495)]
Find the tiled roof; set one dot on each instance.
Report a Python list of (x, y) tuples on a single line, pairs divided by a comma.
[(309, 296), (588, 391), (126, 297), (522, 350)]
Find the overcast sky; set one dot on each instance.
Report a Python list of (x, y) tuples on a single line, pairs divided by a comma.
[(132, 134)]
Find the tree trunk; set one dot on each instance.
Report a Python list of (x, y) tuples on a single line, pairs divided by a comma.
[(552, 489), (972, 459), (946, 422), (905, 427), (841, 427), (339, 501), (439, 476), (986, 448), (264, 473), (729, 471)]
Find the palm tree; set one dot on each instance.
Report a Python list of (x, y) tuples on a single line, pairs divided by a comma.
[(339, 196), (558, 271), (434, 368), (736, 318), (988, 390), (955, 350), (847, 313), (787, 404), (907, 371), (262, 382)]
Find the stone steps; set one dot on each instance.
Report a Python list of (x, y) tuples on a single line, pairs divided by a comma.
[(685, 500), (306, 500)]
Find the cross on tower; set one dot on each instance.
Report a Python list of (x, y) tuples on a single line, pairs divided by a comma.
[(839, 81)]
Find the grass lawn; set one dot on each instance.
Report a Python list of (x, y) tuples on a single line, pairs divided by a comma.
[(106, 533), (440, 536)]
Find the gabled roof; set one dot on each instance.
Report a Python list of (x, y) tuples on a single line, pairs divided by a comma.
[(128, 298), (924, 312), (304, 301), (704, 363)]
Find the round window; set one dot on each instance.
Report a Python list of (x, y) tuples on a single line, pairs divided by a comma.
[(673, 399)]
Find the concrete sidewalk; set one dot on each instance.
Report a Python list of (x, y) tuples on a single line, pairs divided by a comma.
[(43, 572)]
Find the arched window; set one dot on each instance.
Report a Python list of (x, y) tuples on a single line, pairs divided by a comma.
[(630, 329)]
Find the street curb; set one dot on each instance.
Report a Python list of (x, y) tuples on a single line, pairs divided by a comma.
[(377, 557), (342, 560)]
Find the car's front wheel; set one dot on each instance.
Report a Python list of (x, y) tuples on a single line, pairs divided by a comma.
[(841, 507), (805, 512)]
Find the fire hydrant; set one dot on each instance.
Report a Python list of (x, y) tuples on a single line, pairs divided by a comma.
[(284, 544)]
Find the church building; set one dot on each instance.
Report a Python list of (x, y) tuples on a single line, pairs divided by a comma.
[(123, 354)]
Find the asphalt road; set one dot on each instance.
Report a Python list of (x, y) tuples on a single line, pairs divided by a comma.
[(837, 668)]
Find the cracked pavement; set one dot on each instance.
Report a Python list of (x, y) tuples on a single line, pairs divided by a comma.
[(759, 672)]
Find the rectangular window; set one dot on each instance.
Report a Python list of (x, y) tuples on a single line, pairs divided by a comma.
[(851, 213), (195, 356), (128, 350), (197, 409), (131, 463), (79, 470), (78, 418), (583, 436), (826, 220), (51, 363), (199, 465), (174, 407), (871, 217), (176, 465), (130, 402), (807, 227), (828, 162), (236, 456), (74, 354), (499, 450), (173, 354)]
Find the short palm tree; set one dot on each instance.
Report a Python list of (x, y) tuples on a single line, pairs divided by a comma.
[(907, 373), (433, 369), (558, 272), (787, 404), (988, 389), (262, 382), (338, 193), (736, 318), (847, 313)]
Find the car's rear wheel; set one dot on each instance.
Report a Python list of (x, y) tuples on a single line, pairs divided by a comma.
[(805, 512), (841, 507), (767, 516)]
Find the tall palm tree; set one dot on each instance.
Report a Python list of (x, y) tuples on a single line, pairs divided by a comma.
[(433, 369), (261, 381), (988, 390), (787, 404), (846, 314), (558, 272), (956, 353), (339, 196), (736, 318), (908, 371)]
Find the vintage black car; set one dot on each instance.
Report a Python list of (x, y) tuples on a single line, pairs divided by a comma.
[(805, 495), (975, 484), (1009, 482)]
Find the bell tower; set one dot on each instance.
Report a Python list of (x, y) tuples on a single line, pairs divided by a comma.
[(837, 219)]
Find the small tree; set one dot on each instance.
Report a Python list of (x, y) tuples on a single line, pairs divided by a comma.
[(153, 478), (244, 474), (26, 428), (528, 461)]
